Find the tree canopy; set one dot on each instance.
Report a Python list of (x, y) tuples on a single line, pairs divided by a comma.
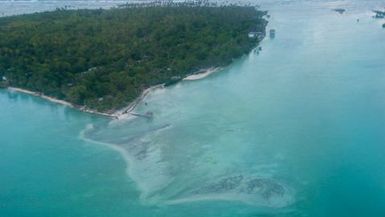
[(103, 59)]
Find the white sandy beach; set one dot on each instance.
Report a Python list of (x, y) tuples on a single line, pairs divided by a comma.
[(119, 114), (126, 111), (201, 75), (58, 101)]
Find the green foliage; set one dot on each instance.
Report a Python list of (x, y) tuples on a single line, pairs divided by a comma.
[(105, 58)]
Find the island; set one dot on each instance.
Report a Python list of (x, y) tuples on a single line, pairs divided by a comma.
[(102, 60)]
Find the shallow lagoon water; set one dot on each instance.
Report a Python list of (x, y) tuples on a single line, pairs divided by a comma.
[(296, 130)]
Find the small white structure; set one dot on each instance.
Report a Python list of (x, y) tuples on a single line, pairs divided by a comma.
[(252, 34), (272, 33), (256, 35), (4, 78)]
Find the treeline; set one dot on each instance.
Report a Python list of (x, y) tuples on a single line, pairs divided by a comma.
[(103, 59)]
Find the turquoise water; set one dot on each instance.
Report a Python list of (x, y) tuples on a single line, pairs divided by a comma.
[(296, 130)]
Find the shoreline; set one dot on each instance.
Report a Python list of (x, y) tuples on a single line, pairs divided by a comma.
[(124, 112), (201, 74), (58, 101)]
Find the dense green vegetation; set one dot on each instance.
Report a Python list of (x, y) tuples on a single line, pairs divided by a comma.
[(103, 59)]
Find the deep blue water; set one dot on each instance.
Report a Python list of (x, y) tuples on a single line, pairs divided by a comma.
[(296, 130)]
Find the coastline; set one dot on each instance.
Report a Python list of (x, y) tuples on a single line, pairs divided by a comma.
[(125, 112), (119, 113), (202, 74), (58, 101)]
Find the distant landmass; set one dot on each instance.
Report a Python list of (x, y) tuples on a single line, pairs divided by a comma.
[(103, 59)]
